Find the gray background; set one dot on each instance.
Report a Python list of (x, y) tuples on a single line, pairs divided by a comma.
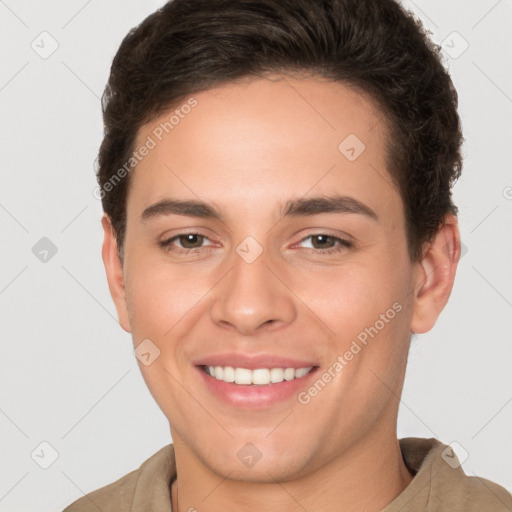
[(68, 375)]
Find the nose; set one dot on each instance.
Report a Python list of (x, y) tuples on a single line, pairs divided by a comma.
[(251, 298)]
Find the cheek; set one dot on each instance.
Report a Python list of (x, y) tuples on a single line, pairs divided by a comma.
[(160, 296), (373, 329), (349, 298), (164, 303)]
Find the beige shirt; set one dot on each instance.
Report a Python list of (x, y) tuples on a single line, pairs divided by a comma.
[(439, 485)]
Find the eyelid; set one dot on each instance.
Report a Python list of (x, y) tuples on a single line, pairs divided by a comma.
[(168, 239), (180, 231), (341, 237), (167, 242), (342, 241)]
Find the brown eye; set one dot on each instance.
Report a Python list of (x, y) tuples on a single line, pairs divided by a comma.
[(191, 240), (323, 241), (325, 244), (185, 242)]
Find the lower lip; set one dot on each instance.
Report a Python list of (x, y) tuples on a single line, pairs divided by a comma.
[(253, 397)]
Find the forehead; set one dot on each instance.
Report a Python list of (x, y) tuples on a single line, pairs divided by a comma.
[(260, 139)]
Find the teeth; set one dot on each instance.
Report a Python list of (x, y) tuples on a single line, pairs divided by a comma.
[(301, 372), (242, 376), (258, 377), (289, 374), (229, 374), (276, 375)]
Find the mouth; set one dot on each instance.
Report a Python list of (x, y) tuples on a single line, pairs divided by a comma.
[(256, 377), (256, 388)]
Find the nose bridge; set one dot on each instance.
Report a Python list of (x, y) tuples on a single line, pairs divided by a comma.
[(250, 296)]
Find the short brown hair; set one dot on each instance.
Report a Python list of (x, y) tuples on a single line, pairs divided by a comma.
[(188, 46)]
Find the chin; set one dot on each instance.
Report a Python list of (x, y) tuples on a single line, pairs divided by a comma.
[(252, 464)]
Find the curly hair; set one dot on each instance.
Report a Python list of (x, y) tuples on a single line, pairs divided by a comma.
[(189, 46)]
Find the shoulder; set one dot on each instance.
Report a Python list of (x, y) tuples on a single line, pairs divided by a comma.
[(120, 496), (116, 496), (441, 484), (477, 493)]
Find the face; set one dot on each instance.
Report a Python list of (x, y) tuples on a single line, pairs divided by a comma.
[(264, 233)]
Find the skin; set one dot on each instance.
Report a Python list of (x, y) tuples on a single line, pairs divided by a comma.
[(247, 148)]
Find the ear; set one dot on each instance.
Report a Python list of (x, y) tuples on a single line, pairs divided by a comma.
[(434, 275), (114, 270)]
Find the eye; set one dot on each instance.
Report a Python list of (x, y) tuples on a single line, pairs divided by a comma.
[(320, 243), (185, 242), (324, 243)]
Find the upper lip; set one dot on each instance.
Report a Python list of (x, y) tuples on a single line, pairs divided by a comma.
[(252, 362)]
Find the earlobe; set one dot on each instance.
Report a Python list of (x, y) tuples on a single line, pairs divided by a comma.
[(435, 275), (114, 271)]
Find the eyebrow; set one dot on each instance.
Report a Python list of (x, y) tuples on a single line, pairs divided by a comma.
[(328, 204), (292, 208)]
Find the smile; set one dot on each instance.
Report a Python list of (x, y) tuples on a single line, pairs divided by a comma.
[(256, 377)]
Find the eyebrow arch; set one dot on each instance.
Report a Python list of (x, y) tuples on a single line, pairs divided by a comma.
[(177, 207), (293, 208), (328, 204)]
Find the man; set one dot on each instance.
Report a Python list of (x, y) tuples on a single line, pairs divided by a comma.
[(276, 179)]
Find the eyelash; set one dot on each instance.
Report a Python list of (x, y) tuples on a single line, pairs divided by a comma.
[(341, 244)]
